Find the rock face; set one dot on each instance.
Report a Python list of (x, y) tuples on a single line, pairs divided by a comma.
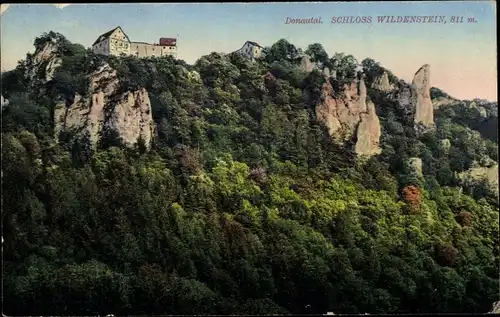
[(333, 73), (445, 145), (495, 309), (482, 111), (128, 114), (476, 175), (442, 101), (348, 114), (306, 64), (415, 164), (415, 101), (103, 109), (4, 102), (382, 83), (326, 72), (368, 133), (132, 118), (424, 111), (404, 97), (45, 60)]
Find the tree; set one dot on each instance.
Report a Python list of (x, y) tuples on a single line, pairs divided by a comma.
[(243, 203), (345, 67), (282, 51), (318, 54)]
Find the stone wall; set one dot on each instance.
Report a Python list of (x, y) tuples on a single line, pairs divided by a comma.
[(141, 49)]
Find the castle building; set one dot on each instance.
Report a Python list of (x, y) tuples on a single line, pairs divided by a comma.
[(117, 43), (114, 42), (250, 50)]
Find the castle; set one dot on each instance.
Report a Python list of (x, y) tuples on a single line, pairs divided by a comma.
[(117, 43), (250, 50)]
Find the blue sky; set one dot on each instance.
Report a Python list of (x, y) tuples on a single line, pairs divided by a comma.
[(462, 56)]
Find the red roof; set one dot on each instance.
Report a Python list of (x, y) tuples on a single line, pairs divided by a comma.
[(167, 41)]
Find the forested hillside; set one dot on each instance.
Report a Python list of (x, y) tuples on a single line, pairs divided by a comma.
[(237, 200)]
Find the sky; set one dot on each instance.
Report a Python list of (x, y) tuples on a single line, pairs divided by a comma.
[(462, 56)]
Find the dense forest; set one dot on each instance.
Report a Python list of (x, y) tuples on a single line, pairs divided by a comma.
[(244, 204)]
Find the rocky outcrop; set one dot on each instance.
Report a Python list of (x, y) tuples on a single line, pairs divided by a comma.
[(482, 111), (477, 175), (131, 118), (424, 111), (306, 64), (4, 102), (333, 74), (415, 165), (103, 109), (44, 61), (414, 100), (326, 72), (128, 114), (495, 309), (404, 97), (445, 145), (368, 133), (442, 101), (382, 83), (491, 108), (347, 114)]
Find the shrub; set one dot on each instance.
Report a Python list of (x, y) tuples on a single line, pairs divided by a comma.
[(412, 195), (464, 218), (446, 255)]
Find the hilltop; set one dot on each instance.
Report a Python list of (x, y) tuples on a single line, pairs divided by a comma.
[(295, 183)]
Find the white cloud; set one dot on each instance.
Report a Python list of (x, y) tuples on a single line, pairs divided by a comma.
[(3, 8)]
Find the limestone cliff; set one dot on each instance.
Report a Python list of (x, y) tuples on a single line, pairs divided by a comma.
[(414, 100), (348, 114), (128, 113), (103, 109), (45, 61), (382, 83), (424, 111), (404, 97), (368, 133)]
